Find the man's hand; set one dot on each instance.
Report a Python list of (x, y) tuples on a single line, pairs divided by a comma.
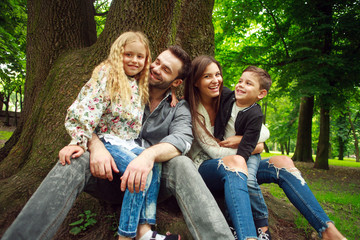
[(231, 142), (101, 162), (136, 173), (68, 152)]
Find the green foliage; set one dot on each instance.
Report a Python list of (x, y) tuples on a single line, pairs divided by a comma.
[(309, 49), (86, 220), (114, 223), (101, 8)]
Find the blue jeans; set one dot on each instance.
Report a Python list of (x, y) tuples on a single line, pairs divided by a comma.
[(136, 207), (233, 184), (47, 208), (298, 192), (258, 205)]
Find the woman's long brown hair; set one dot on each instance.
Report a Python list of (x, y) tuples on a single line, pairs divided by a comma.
[(192, 93)]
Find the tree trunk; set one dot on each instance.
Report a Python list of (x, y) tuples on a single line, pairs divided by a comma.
[(288, 147), (303, 150), (356, 145), (62, 51), (322, 153), (341, 148)]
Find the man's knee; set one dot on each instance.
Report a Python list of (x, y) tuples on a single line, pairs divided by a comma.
[(179, 164)]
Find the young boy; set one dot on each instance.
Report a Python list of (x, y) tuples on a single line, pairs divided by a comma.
[(245, 119)]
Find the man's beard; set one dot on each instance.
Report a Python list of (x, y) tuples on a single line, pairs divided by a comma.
[(160, 85)]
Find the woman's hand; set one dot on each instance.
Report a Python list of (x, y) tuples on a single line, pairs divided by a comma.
[(231, 142)]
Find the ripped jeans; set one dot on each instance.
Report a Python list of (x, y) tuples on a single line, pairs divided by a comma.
[(137, 208), (233, 184), (298, 192)]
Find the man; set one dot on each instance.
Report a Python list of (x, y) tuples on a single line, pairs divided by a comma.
[(166, 134)]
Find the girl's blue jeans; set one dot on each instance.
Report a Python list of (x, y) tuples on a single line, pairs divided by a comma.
[(298, 192), (137, 208), (233, 184)]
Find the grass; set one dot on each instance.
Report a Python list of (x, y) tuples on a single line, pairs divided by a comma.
[(5, 135), (337, 191), (347, 162)]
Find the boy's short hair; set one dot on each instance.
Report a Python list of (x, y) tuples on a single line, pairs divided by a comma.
[(264, 77)]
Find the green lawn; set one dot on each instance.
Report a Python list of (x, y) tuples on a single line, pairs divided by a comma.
[(5, 135), (347, 162)]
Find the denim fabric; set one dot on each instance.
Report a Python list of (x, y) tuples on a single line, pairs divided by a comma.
[(234, 185), (202, 214), (298, 192), (258, 205), (136, 207), (47, 208)]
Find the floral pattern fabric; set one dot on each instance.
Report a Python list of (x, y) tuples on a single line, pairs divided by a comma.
[(93, 111)]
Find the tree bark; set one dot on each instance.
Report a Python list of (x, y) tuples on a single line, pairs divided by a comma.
[(303, 150), (62, 51), (322, 153), (341, 148)]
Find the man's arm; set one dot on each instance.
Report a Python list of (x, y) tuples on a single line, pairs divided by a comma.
[(176, 140), (101, 162)]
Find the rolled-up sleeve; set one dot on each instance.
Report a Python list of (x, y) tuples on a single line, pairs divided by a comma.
[(180, 130)]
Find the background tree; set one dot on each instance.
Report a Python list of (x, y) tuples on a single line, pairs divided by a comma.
[(12, 50), (307, 47), (62, 50)]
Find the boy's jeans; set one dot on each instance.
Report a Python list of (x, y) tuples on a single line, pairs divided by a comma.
[(258, 205), (298, 192), (136, 207), (234, 184)]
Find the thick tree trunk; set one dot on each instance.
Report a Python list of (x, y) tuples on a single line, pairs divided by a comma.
[(322, 153), (62, 51), (303, 150)]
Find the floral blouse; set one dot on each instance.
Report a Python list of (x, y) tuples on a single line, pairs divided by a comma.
[(93, 111)]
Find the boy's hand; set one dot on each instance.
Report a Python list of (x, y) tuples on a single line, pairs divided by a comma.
[(68, 152), (231, 142)]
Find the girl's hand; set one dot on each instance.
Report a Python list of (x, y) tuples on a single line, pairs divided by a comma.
[(68, 152), (231, 142)]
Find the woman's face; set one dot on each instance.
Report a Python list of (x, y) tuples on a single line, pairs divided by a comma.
[(210, 82)]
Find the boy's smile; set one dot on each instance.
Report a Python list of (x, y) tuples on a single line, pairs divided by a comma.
[(247, 90)]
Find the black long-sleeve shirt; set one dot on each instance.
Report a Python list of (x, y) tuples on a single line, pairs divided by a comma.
[(247, 124)]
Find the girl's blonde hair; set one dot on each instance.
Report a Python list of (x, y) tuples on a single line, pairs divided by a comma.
[(117, 81)]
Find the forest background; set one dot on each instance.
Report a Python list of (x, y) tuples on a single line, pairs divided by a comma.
[(311, 49)]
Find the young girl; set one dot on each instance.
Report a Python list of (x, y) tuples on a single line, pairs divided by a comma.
[(111, 104)]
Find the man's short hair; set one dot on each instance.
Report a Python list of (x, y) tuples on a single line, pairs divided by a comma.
[(180, 53)]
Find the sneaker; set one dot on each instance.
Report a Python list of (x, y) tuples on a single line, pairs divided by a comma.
[(168, 236), (234, 233), (264, 235)]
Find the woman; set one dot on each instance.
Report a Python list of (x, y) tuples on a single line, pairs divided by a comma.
[(202, 91), (229, 174)]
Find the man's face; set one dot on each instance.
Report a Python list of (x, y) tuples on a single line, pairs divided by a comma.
[(164, 70)]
